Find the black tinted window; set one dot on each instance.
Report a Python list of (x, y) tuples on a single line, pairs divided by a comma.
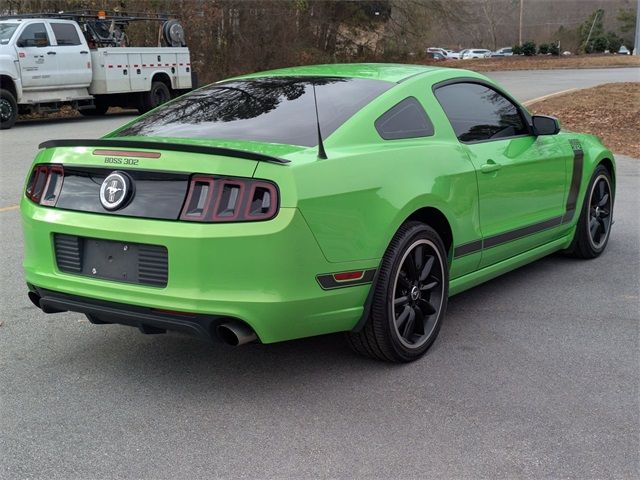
[(34, 35), (477, 112), (407, 119), (274, 110), (65, 33)]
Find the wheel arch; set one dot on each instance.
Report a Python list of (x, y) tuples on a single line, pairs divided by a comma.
[(162, 77), (437, 220), (608, 164), (429, 215), (7, 83)]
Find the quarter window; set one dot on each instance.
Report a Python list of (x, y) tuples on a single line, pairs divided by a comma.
[(407, 119), (479, 113), (65, 33), (34, 35)]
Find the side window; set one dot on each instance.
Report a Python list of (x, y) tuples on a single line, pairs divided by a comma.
[(65, 33), (34, 35), (406, 119), (478, 113)]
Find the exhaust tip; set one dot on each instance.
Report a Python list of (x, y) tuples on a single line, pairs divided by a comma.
[(35, 298), (235, 333)]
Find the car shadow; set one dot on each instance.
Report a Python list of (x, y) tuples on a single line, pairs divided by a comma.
[(177, 362)]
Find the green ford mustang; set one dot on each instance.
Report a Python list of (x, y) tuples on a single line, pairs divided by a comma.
[(303, 201)]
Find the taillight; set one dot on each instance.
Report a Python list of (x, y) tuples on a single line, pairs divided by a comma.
[(45, 184), (229, 199)]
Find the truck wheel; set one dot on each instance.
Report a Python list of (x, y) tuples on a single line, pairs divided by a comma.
[(8, 109), (99, 110), (155, 97)]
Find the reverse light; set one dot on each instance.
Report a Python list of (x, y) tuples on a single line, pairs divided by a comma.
[(45, 184), (228, 199)]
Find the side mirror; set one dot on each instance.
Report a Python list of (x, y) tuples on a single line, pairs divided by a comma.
[(20, 44), (543, 125)]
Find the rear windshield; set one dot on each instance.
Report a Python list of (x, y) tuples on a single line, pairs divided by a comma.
[(273, 110)]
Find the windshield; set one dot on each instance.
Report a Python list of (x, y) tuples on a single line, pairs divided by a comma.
[(6, 31), (273, 110)]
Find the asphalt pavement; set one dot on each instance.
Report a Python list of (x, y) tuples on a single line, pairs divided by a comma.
[(534, 374)]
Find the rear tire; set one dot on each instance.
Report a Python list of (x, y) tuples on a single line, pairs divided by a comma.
[(8, 109), (156, 96), (409, 299), (594, 225)]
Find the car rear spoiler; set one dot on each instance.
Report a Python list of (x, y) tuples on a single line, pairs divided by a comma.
[(176, 147)]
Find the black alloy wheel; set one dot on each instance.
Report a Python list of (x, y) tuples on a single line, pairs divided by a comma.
[(409, 297), (596, 217), (599, 212), (418, 294)]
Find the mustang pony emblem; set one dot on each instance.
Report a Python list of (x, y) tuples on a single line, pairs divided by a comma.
[(116, 190)]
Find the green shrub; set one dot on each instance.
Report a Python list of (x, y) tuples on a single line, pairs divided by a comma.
[(597, 45), (517, 49), (543, 49), (614, 42), (554, 49), (529, 49)]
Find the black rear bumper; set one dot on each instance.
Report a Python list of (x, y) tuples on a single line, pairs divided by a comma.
[(148, 320)]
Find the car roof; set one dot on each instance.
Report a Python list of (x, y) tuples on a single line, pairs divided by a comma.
[(390, 72)]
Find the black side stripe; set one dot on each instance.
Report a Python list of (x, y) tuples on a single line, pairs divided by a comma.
[(467, 248), (572, 199), (576, 179), (511, 235), (327, 282)]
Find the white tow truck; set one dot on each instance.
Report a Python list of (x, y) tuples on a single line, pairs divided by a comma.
[(81, 59)]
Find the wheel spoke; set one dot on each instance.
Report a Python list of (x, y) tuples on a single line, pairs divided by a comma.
[(426, 307), (601, 191), (403, 317), (426, 270), (593, 227), (603, 200), (604, 213), (602, 229), (419, 325), (417, 257), (412, 271), (409, 325), (429, 286), (401, 300)]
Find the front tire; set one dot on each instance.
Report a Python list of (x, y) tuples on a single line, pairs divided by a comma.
[(409, 299), (8, 109), (594, 225)]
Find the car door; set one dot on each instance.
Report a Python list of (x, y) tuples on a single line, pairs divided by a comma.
[(74, 60), (38, 64), (521, 177)]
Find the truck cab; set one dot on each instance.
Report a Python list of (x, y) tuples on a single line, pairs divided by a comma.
[(47, 62)]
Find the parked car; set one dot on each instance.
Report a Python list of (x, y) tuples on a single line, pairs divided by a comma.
[(436, 56), (503, 52), (440, 51), (451, 54), (476, 53), (624, 51), (303, 201), (49, 62)]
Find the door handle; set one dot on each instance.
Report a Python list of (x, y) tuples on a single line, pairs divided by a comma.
[(490, 166), (51, 53), (84, 52)]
